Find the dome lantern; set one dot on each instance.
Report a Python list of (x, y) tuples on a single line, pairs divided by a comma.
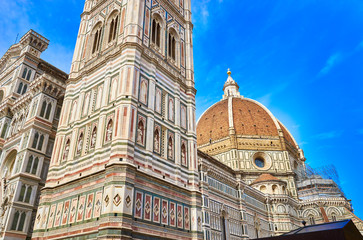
[(230, 88)]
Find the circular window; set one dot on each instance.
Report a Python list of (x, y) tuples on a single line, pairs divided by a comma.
[(260, 162)]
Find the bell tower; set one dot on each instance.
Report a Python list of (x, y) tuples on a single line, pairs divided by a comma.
[(124, 163)]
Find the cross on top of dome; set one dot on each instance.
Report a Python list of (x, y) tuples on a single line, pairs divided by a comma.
[(230, 87)]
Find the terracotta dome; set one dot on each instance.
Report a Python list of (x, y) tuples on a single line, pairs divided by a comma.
[(266, 177), (241, 116)]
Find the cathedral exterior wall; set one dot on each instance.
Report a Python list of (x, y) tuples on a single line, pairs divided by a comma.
[(31, 97)]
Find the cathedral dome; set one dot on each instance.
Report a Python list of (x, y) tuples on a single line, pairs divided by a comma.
[(239, 116)]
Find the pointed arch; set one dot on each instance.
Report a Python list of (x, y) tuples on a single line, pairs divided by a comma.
[(15, 221), (20, 87), (171, 147), (28, 194), (42, 111), (93, 137), (143, 94), (29, 75), (112, 24), (80, 143), (183, 151), (49, 110), (140, 132), (22, 193), (40, 144), (157, 27), (7, 166), (173, 45), (30, 164), (66, 149), (21, 222), (24, 72), (109, 130), (97, 33), (35, 140), (35, 166), (24, 89)]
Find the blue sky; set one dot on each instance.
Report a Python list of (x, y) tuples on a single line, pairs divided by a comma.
[(302, 59)]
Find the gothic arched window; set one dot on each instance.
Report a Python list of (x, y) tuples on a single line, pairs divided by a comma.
[(40, 144), (21, 222), (29, 165), (28, 194), (5, 128), (20, 87), (172, 46), (35, 140), (24, 72), (156, 32), (42, 111), (113, 29), (49, 109), (97, 39), (29, 75), (22, 193), (24, 89), (15, 221), (109, 130), (32, 165)]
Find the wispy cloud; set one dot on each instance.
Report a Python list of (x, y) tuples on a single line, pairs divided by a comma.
[(267, 98), (332, 61), (200, 8), (328, 135), (303, 143)]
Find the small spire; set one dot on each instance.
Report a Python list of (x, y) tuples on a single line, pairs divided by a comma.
[(230, 87)]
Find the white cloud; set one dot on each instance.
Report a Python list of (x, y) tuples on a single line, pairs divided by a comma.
[(332, 61), (328, 135), (201, 10)]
